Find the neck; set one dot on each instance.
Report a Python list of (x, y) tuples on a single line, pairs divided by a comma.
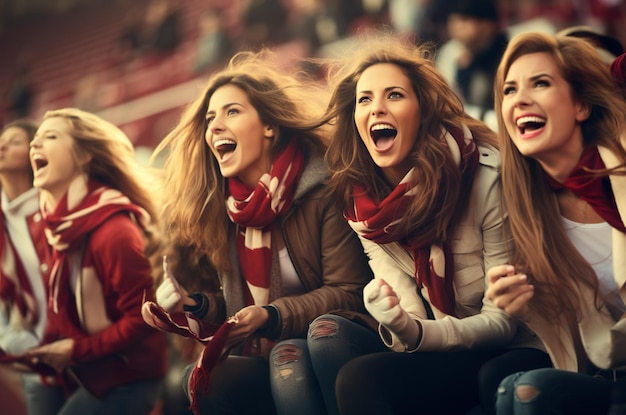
[(16, 185), (559, 164)]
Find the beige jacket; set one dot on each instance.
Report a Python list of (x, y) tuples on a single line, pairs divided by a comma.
[(480, 241), (603, 337)]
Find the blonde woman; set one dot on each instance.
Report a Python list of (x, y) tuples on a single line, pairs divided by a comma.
[(98, 215)]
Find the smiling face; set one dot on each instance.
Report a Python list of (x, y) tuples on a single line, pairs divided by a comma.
[(52, 157), (237, 137), (14, 145), (539, 112), (387, 118)]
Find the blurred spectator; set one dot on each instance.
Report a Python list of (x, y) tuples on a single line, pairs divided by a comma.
[(264, 22), (161, 32), (470, 58), (213, 42), (608, 47), (20, 94)]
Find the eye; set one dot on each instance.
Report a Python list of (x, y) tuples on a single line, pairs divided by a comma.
[(50, 136), (508, 90), (232, 111), (209, 119), (395, 95), (542, 83)]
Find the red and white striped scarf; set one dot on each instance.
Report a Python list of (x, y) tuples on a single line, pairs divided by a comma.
[(15, 288), (255, 210), (84, 207), (377, 220)]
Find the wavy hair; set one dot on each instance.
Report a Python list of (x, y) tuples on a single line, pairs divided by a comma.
[(112, 160), (543, 250), (436, 203), (194, 212)]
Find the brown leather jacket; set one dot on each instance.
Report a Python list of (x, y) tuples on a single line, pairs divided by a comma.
[(326, 255)]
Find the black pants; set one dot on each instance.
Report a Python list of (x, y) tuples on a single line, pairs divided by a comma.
[(429, 382)]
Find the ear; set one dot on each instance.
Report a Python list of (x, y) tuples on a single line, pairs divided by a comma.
[(269, 132), (582, 112)]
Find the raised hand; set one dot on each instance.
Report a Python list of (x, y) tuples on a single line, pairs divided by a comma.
[(509, 290), (384, 305), (170, 295)]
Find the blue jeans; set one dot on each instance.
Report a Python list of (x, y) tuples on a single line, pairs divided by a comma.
[(130, 399), (303, 372), (555, 392)]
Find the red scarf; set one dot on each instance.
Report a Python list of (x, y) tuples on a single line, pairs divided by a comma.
[(15, 287), (84, 207), (255, 210), (594, 190), (377, 220)]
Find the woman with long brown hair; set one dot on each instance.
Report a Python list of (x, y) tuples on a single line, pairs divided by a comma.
[(562, 131)]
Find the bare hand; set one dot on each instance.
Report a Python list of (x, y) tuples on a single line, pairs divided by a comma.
[(249, 320), (56, 355), (509, 290), (382, 302)]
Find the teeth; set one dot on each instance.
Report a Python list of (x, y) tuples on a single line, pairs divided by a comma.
[(223, 142), (383, 127), (530, 118)]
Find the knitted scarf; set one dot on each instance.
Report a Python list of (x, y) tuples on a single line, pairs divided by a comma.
[(377, 220), (255, 210), (594, 190), (84, 207), (15, 288)]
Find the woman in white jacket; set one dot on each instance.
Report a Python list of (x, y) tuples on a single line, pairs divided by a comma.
[(562, 130), (419, 182)]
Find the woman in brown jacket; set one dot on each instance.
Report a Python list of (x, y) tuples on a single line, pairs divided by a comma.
[(246, 195)]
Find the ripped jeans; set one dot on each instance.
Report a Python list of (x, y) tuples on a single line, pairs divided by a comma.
[(303, 372), (553, 392)]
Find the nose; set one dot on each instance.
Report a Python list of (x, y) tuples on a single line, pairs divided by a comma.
[(522, 97), (36, 142), (378, 107)]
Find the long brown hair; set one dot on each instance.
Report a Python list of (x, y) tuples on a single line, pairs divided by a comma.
[(543, 250), (436, 203), (194, 212)]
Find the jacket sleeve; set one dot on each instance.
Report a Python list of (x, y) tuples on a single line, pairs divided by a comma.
[(115, 251)]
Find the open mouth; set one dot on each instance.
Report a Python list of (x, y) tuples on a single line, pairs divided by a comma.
[(39, 163), (530, 123), (383, 135), (224, 147)]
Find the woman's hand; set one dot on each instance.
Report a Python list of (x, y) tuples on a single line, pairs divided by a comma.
[(170, 295), (509, 290), (249, 320), (56, 355)]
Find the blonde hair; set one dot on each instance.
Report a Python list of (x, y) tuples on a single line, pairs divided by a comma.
[(543, 250), (194, 213), (437, 202)]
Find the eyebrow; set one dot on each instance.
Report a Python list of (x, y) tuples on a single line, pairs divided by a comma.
[(532, 78), (389, 88), (225, 106)]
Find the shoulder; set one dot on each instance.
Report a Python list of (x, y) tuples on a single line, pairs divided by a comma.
[(489, 156), (117, 232)]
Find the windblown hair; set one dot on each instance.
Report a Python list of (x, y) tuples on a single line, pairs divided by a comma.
[(437, 200), (543, 250), (112, 160), (26, 125), (194, 213)]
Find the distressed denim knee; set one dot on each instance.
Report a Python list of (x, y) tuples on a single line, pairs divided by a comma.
[(323, 326), (283, 356)]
